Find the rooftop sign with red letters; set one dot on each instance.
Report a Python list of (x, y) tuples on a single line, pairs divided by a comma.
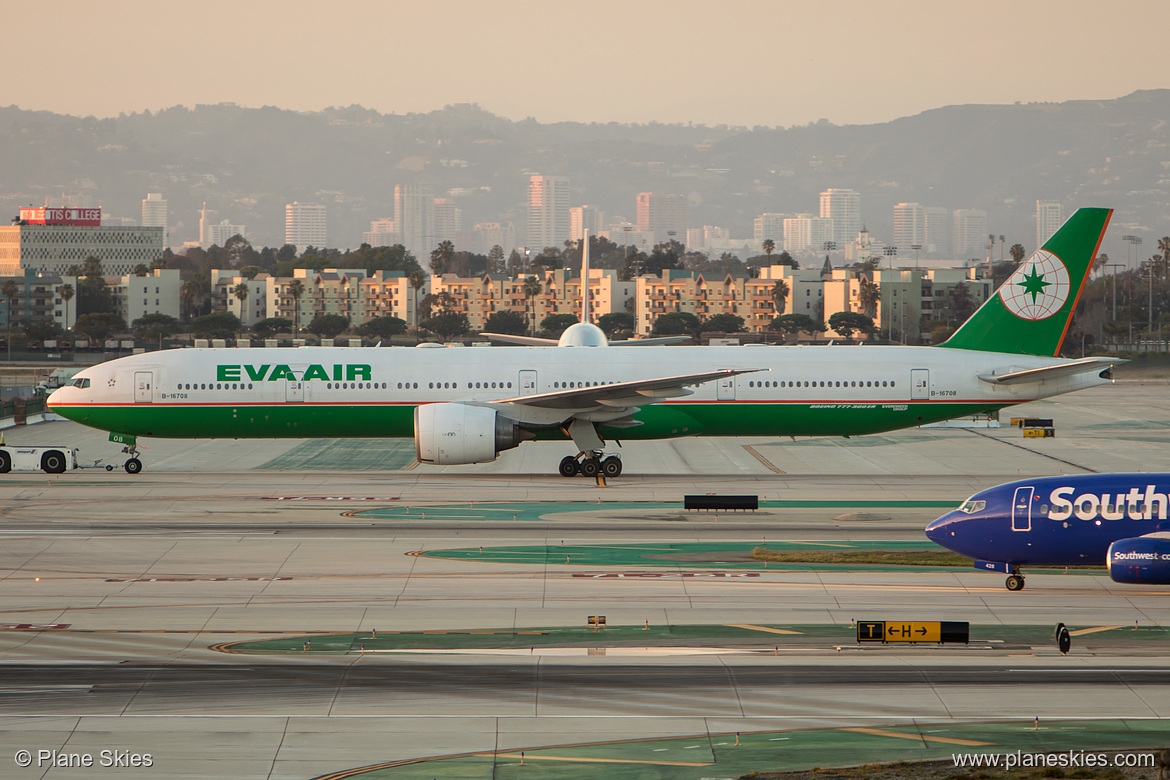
[(63, 216)]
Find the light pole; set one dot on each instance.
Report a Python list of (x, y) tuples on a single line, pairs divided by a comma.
[(915, 247), (892, 252), (1114, 265), (1134, 242)]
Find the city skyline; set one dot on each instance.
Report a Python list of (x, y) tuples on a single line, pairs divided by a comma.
[(994, 53)]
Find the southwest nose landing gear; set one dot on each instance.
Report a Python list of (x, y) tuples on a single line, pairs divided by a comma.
[(590, 461), (590, 464)]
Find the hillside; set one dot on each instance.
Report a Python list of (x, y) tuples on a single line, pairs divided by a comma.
[(247, 163)]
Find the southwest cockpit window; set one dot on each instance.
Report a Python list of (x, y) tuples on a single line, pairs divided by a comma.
[(971, 507)]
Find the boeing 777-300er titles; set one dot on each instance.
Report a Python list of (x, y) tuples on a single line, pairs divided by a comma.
[(1118, 519), (468, 405)]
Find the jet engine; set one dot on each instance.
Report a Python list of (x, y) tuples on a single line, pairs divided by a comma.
[(451, 434), (1142, 560)]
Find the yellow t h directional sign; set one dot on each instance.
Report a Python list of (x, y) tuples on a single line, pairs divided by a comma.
[(912, 631)]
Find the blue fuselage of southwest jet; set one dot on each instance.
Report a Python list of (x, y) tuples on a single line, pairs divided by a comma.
[(1056, 521)]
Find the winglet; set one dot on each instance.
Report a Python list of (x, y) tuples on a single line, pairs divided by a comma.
[(1031, 312)]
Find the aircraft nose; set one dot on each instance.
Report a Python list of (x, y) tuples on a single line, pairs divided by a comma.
[(939, 530)]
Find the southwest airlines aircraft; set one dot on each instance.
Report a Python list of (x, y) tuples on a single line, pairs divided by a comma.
[(468, 405), (1120, 519)]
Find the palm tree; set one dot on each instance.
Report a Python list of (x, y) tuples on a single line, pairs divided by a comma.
[(241, 292), (532, 288), (769, 246), (296, 288), (441, 258), (869, 295), (1164, 248), (10, 289), (1018, 253), (418, 280), (66, 293), (780, 292)]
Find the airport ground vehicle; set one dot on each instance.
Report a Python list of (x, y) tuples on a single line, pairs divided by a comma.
[(52, 460)]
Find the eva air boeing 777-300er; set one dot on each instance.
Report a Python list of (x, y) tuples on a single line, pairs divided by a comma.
[(468, 405)]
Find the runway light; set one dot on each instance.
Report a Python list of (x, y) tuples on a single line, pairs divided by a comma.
[(38, 579)]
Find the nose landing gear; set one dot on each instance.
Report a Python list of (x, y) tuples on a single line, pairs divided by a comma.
[(133, 465)]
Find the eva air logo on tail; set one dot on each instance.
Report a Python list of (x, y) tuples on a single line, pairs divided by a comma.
[(1038, 288)]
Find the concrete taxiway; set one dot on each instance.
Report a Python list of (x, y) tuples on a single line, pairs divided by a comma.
[(115, 588)]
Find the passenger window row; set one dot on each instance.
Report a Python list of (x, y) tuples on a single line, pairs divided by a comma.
[(851, 383), (574, 385), (455, 385), (218, 386)]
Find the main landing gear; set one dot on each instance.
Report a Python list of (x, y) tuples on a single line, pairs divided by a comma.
[(590, 464), (590, 461)]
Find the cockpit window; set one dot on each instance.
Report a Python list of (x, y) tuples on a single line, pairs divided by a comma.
[(83, 383), (971, 507)]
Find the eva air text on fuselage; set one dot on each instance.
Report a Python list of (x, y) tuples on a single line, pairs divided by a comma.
[(338, 372)]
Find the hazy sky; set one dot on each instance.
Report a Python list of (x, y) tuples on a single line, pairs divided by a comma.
[(743, 62)]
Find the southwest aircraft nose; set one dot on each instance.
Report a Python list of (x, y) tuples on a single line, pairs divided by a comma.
[(940, 530)]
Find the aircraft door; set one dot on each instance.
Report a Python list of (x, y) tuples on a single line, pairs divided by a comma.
[(143, 387), (1022, 509), (294, 387), (725, 390), (919, 384), (528, 384)]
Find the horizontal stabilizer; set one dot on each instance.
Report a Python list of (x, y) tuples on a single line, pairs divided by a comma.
[(1087, 365), (528, 341), (536, 341)]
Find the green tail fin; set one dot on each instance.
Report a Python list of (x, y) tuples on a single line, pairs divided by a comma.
[(1030, 313)]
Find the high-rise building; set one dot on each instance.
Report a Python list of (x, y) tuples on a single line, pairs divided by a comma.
[(969, 233), (806, 233), (548, 211), (492, 234), (381, 233), (909, 226), (154, 213), (154, 210), (304, 225), (769, 226), (448, 221), (219, 234), (582, 218), (843, 206), (663, 216), (414, 219), (936, 229), (1049, 218)]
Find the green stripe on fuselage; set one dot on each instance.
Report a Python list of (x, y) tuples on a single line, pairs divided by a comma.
[(659, 421)]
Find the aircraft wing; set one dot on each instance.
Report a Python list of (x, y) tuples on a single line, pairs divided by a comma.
[(1083, 366), (622, 394)]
